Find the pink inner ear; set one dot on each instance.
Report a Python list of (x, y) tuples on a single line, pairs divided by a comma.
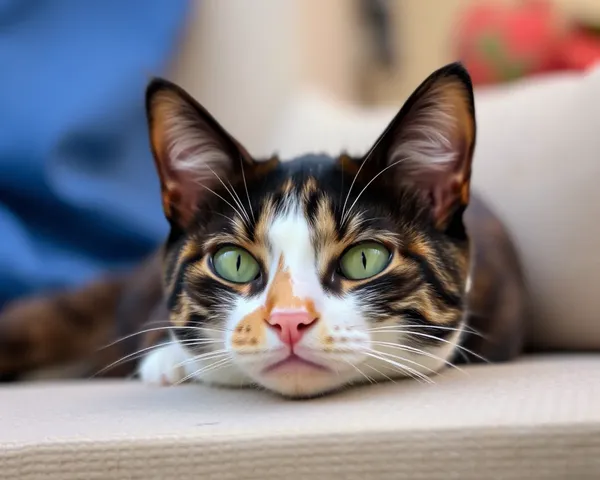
[(444, 195), (185, 196), (193, 153)]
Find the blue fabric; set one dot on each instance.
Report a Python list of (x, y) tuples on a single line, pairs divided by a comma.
[(78, 190)]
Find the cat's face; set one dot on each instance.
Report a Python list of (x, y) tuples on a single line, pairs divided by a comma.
[(308, 275)]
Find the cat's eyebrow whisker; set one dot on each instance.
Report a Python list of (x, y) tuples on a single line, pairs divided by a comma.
[(411, 371), (369, 183), (236, 198), (367, 157), (219, 196), (363, 220), (407, 348), (246, 188), (240, 203), (230, 219)]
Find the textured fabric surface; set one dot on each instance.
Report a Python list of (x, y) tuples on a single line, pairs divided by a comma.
[(536, 161), (536, 418)]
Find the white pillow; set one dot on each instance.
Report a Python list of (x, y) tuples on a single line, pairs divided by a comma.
[(538, 163)]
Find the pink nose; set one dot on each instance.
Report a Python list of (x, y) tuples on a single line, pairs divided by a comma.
[(291, 326)]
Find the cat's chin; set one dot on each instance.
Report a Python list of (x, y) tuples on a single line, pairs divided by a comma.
[(298, 378), (288, 381), (302, 383)]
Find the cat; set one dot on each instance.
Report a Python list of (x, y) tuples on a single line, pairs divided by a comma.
[(300, 277)]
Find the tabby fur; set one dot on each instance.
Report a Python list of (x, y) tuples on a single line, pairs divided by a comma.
[(453, 291)]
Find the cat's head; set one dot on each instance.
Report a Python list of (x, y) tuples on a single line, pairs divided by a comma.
[(303, 276)]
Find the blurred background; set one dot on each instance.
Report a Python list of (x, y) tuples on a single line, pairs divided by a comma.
[(254, 56), (78, 193)]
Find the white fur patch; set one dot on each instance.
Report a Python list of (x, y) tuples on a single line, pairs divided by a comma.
[(290, 239), (165, 365), (343, 340)]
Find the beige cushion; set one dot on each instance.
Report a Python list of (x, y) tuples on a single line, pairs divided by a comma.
[(538, 162), (536, 418)]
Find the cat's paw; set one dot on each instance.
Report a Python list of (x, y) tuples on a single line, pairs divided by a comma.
[(165, 365)]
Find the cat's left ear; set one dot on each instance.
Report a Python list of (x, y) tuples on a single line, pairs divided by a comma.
[(431, 141), (193, 153)]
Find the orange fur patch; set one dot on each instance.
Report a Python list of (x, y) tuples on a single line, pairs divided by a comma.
[(250, 332)]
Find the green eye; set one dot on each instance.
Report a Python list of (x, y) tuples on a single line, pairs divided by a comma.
[(235, 265), (364, 260)]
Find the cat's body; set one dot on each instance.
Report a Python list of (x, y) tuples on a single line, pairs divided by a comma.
[(300, 276)]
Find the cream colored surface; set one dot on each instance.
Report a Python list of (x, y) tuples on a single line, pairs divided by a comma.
[(538, 418), (537, 161)]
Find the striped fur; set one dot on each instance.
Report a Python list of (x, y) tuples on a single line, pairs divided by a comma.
[(297, 218)]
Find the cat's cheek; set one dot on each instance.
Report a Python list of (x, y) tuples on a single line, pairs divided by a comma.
[(341, 340), (247, 339), (396, 355)]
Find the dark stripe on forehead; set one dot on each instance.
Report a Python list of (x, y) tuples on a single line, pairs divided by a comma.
[(312, 206), (449, 298)]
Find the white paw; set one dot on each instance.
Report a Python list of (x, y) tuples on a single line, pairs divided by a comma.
[(165, 365)]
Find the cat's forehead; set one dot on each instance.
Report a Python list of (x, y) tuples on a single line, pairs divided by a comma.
[(309, 164), (295, 173)]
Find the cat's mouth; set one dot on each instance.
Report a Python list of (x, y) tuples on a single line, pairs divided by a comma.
[(293, 362)]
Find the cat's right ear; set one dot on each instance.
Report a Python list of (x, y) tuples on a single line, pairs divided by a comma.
[(192, 152)]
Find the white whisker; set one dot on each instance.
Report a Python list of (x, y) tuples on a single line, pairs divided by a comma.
[(381, 373), (412, 362), (411, 371), (236, 198), (219, 196), (369, 183), (402, 329), (246, 188), (443, 340), (204, 356), (367, 157), (148, 330), (418, 351), (369, 379), (213, 366), (139, 353)]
